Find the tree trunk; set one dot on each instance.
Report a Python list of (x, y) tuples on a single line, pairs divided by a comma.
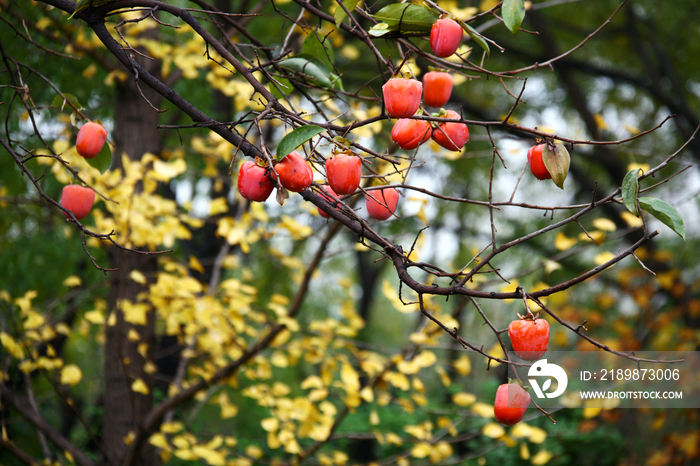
[(135, 133)]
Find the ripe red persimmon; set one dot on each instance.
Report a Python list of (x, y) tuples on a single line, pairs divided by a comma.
[(445, 37), (529, 338), (437, 88), (408, 134), (330, 196), (78, 199), (253, 182), (295, 174), (511, 403), (451, 136), (381, 203), (344, 172), (534, 158), (91, 138), (402, 97)]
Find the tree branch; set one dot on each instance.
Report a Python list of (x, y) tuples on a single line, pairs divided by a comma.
[(25, 410)]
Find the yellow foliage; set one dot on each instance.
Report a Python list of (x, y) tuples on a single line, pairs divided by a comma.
[(421, 450), (482, 410), (463, 365), (134, 313), (440, 452), (604, 224), (392, 295), (254, 451), (398, 380), (393, 439), (562, 242), (524, 430), (71, 375), (645, 167), (33, 320), (493, 429), (603, 257), (11, 346), (158, 440), (631, 219), (210, 455), (542, 457), (138, 277), (72, 281), (524, 451), (25, 302), (463, 399), (444, 377), (420, 431), (139, 386), (597, 236), (171, 427)]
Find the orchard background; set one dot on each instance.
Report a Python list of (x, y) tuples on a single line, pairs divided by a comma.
[(180, 324)]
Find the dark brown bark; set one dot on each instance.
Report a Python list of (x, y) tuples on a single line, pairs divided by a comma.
[(135, 133)]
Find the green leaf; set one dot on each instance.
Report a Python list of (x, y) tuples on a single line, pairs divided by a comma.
[(513, 14), (340, 14), (295, 139), (313, 46), (310, 68), (478, 38), (59, 101), (557, 161), (406, 17), (665, 213), (83, 4), (285, 88), (103, 159), (630, 190), (336, 82)]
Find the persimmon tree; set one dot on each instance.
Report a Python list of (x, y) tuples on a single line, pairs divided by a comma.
[(180, 323)]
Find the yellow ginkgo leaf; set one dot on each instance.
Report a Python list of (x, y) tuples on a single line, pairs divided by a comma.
[(270, 424), (139, 386), (218, 206), (524, 451), (11, 346), (645, 167), (158, 440), (591, 408), (463, 365), (631, 219), (72, 281), (95, 317), (194, 264), (421, 450), (164, 171), (604, 224), (542, 457), (524, 430), (463, 399), (493, 430), (597, 236), (71, 375), (483, 410), (603, 257), (600, 121), (138, 277), (211, 456), (563, 242)]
